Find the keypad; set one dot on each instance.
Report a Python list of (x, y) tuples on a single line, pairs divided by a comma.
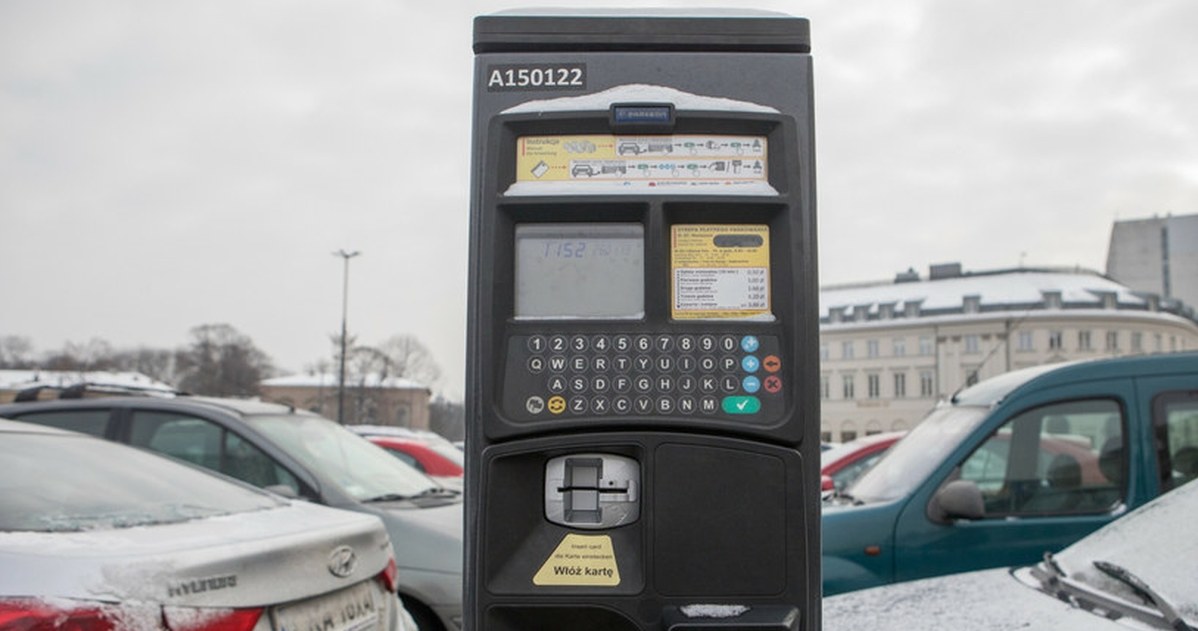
[(730, 376)]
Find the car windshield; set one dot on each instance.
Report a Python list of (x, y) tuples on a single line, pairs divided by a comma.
[(360, 468), (70, 482), (1155, 544), (911, 459), (451, 453)]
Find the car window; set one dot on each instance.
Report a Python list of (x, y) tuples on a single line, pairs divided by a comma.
[(1175, 415), (94, 422), (850, 472), (362, 469), (405, 457), (68, 482), (209, 445), (1056, 459)]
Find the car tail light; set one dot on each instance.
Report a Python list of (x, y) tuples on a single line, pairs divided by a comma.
[(37, 615), (193, 619), (389, 577)]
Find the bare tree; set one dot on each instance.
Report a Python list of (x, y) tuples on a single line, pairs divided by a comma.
[(156, 363), (411, 359), (447, 418), (221, 361), (94, 354), (16, 351)]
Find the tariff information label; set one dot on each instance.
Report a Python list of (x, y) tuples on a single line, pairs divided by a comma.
[(720, 271), (581, 560)]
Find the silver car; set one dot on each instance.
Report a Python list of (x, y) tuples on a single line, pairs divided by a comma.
[(1136, 572), (298, 454), (96, 535)]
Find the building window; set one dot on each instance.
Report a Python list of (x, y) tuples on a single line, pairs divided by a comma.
[(1137, 341), (1083, 340), (847, 383), (1158, 345), (900, 346), (873, 382), (1027, 341), (925, 345), (900, 385), (846, 350), (871, 348), (825, 387), (824, 354), (971, 344), (927, 384), (1112, 340), (1055, 342)]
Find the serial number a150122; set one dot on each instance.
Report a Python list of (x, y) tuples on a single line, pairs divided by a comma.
[(509, 77)]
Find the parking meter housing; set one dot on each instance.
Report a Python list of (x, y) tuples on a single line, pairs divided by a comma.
[(642, 375)]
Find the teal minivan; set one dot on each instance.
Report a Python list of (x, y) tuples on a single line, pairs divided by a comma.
[(1016, 466)]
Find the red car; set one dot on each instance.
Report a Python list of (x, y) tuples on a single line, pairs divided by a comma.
[(841, 464), (439, 460)]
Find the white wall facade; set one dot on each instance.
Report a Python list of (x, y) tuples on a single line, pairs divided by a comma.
[(885, 364)]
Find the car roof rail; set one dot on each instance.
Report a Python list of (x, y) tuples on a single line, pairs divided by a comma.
[(87, 389)]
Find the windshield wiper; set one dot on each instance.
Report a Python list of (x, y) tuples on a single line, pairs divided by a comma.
[(389, 497), (1054, 582), (438, 491), (1145, 592), (1050, 581)]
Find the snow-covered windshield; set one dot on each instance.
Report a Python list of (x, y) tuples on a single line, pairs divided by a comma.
[(69, 482), (1155, 543), (911, 459), (360, 468)]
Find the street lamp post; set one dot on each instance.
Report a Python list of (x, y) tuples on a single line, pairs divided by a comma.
[(345, 256)]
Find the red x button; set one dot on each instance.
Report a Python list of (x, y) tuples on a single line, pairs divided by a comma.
[(772, 384)]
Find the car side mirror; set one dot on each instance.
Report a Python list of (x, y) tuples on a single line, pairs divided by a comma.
[(959, 499)]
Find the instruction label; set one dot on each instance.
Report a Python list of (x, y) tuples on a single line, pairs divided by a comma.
[(587, 560), (643, 161), (720, 271)]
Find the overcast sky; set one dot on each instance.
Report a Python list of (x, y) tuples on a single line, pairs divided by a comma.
[(170, 164)]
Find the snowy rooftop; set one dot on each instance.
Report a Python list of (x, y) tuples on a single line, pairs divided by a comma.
[(22, 379), (991, 291), (330, 380)]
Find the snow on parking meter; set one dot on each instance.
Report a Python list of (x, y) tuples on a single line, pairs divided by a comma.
[(642, 408)]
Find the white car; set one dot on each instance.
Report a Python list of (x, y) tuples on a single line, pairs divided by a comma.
[(1137, 572), (100, 536)]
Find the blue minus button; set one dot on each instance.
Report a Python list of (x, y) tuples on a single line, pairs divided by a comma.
[(742, 405)]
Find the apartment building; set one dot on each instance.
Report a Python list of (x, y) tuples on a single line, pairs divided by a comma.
[(889, 351)]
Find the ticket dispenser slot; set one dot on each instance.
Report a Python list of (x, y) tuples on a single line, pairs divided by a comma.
[(642, 402), (592, 491)]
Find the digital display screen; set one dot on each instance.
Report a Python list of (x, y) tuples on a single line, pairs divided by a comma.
[(580, 270)]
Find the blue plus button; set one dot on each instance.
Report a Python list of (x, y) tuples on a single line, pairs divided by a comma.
[(750, 363), (750, 343), (751, 384)]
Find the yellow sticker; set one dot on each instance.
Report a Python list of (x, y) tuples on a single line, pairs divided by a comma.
[(586, 560), (720, 271), (643, 161)]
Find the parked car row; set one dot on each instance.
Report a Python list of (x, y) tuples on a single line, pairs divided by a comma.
[(295, 454), (1014, 467)]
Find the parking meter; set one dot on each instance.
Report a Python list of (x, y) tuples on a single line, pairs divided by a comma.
[(642, 407)]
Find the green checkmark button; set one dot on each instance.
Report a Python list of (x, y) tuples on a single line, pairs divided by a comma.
[(742, 405)]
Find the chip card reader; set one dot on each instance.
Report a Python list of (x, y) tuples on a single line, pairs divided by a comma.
[(592, 491)]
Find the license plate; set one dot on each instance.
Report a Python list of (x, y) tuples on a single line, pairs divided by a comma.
[(353, 609)]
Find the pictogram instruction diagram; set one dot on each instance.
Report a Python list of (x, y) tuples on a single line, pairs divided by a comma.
[(703, 162)]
